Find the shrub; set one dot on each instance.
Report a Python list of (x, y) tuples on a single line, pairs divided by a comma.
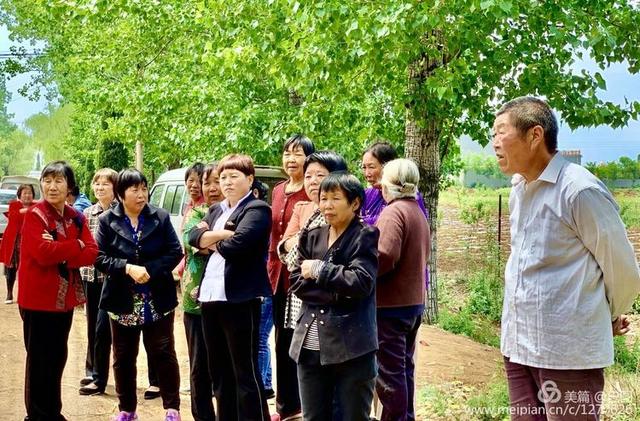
[(625, 357), (486, 292)]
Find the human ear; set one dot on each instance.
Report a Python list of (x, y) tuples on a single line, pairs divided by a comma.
[(537, 136)]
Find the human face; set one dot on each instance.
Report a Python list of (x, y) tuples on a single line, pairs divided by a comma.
[(193, 186), (103, 190), (26, 196), (372, 169), (512, 147), (293, 162), (211, 189), (55, 190), (135, 197), (312, 178), (336, 209), (235, 185)]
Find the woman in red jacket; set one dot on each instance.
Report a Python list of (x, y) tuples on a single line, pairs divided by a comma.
[(56, 242), (10, 246)]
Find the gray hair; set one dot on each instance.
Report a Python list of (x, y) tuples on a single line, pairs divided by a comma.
[(400, 177), (526, 112)]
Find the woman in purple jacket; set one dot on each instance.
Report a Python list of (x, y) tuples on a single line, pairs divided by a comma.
[(373, 160)]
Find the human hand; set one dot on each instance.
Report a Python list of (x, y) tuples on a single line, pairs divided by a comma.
[(621, 326), (202, 224), (47, 236), (306, 268), (139, 274)]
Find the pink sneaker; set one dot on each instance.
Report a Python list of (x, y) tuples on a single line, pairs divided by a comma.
[(172, 415), (125, 416)]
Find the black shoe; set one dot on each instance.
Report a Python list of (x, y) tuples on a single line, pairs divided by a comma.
[(91, 389), (85, 381), (152, 392), (269, 393)]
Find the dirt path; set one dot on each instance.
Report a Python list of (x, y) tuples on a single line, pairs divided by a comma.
[(442, 357)]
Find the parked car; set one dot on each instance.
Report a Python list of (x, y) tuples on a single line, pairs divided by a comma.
[(12, 182), (6, 196), (169, 191)]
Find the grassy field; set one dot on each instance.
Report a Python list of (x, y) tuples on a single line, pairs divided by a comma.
[(486, 200)]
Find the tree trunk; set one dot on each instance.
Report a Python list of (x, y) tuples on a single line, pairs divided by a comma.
[(421, 145), (422, 139)]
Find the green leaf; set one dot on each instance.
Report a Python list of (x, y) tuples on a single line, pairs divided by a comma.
[(602, 84), (486, 4)]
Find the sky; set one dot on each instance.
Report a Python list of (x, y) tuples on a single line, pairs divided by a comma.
[(596, 144), (19, 106)]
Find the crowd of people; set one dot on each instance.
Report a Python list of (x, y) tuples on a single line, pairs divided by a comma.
[(337, 269), (306, 264)]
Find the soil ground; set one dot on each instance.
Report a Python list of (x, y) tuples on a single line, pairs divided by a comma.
[(442, 358)]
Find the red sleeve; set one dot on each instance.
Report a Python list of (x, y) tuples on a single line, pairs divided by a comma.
[(88, 254), (45, 252), (14, 209)]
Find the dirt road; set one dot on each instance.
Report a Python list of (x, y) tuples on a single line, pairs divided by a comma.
[(442, 357)]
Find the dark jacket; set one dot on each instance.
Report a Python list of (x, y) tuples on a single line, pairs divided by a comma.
[(245, 272), (343, 296), (159, 252)]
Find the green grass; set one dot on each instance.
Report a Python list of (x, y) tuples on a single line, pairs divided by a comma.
[(626, 357), (492, 403)]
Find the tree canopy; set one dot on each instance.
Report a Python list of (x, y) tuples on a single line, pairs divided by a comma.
[(197, 79)]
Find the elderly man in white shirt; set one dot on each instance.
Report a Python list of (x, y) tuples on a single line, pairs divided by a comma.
[(571, 275)]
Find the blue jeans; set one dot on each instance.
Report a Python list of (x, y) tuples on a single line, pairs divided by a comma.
[(264, 354)]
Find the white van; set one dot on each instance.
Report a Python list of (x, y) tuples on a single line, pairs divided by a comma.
[(12, 182), (169, 191)]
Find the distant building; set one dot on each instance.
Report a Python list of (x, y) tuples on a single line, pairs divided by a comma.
[(574, 156)]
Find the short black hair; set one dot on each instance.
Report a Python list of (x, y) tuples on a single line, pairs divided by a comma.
[(25, 186), (127, 178), (300, 140), (61, 168), (349, 184), (382, 151), (328, 159), (196, 168), (74, 191), (263, 189)]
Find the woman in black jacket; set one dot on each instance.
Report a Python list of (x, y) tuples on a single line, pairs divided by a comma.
[(138, 248), (236, 233), (335, 339)]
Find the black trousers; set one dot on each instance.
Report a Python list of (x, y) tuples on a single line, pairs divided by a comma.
[(159, 342), (395, 382), (231, 333), (288, 394), (338, 392), (10, 275), (199, 377), (99, 336), (45, 340)]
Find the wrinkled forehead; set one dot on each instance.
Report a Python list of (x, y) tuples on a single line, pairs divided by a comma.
[(502, 120)]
